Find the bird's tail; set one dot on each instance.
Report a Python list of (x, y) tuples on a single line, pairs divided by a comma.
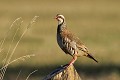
[(91, 57)]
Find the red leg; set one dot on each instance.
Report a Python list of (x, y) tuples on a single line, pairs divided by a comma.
[(73, 60)]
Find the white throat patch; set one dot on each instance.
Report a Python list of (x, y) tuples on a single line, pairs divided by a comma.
[(60, 21)]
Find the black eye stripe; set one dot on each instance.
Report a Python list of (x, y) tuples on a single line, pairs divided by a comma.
[(59, 17)]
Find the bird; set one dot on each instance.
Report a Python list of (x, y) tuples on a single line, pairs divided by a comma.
[(69, 42)]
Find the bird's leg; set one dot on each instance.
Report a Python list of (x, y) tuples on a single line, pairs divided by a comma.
[(73, 60)]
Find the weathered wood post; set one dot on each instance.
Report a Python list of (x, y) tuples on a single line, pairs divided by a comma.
[(62, 73)]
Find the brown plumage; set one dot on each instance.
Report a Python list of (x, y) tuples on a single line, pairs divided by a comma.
[(68, 42)]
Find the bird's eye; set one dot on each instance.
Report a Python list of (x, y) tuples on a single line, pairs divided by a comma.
[(59, 16)]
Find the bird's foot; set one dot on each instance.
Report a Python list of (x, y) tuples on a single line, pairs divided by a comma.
[(65, 66)]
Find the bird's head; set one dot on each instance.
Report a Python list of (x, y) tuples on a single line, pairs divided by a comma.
[(60, 18)]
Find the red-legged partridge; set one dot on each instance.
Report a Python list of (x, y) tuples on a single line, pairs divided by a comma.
[(69, 43)]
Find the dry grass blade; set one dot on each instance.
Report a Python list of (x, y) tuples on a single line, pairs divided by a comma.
[(3, 69), (1, 48), (5, 60), (18, 75), (2, 42), (32, 21), (30, 74), (20, 58)]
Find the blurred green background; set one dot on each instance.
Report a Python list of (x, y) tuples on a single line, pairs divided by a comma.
[(95, 22)]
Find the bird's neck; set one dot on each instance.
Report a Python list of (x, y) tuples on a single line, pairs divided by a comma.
[(61, 27)]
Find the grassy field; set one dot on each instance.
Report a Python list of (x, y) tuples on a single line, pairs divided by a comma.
[(96, 23)]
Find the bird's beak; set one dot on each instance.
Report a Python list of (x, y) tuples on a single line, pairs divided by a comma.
[(55, 17)]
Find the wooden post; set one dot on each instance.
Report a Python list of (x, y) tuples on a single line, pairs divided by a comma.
[(62, 73)]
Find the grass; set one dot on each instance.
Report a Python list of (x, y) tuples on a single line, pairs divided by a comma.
[(96, 23), (9, 55)]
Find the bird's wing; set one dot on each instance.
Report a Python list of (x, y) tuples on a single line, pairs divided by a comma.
[(74, 41)]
